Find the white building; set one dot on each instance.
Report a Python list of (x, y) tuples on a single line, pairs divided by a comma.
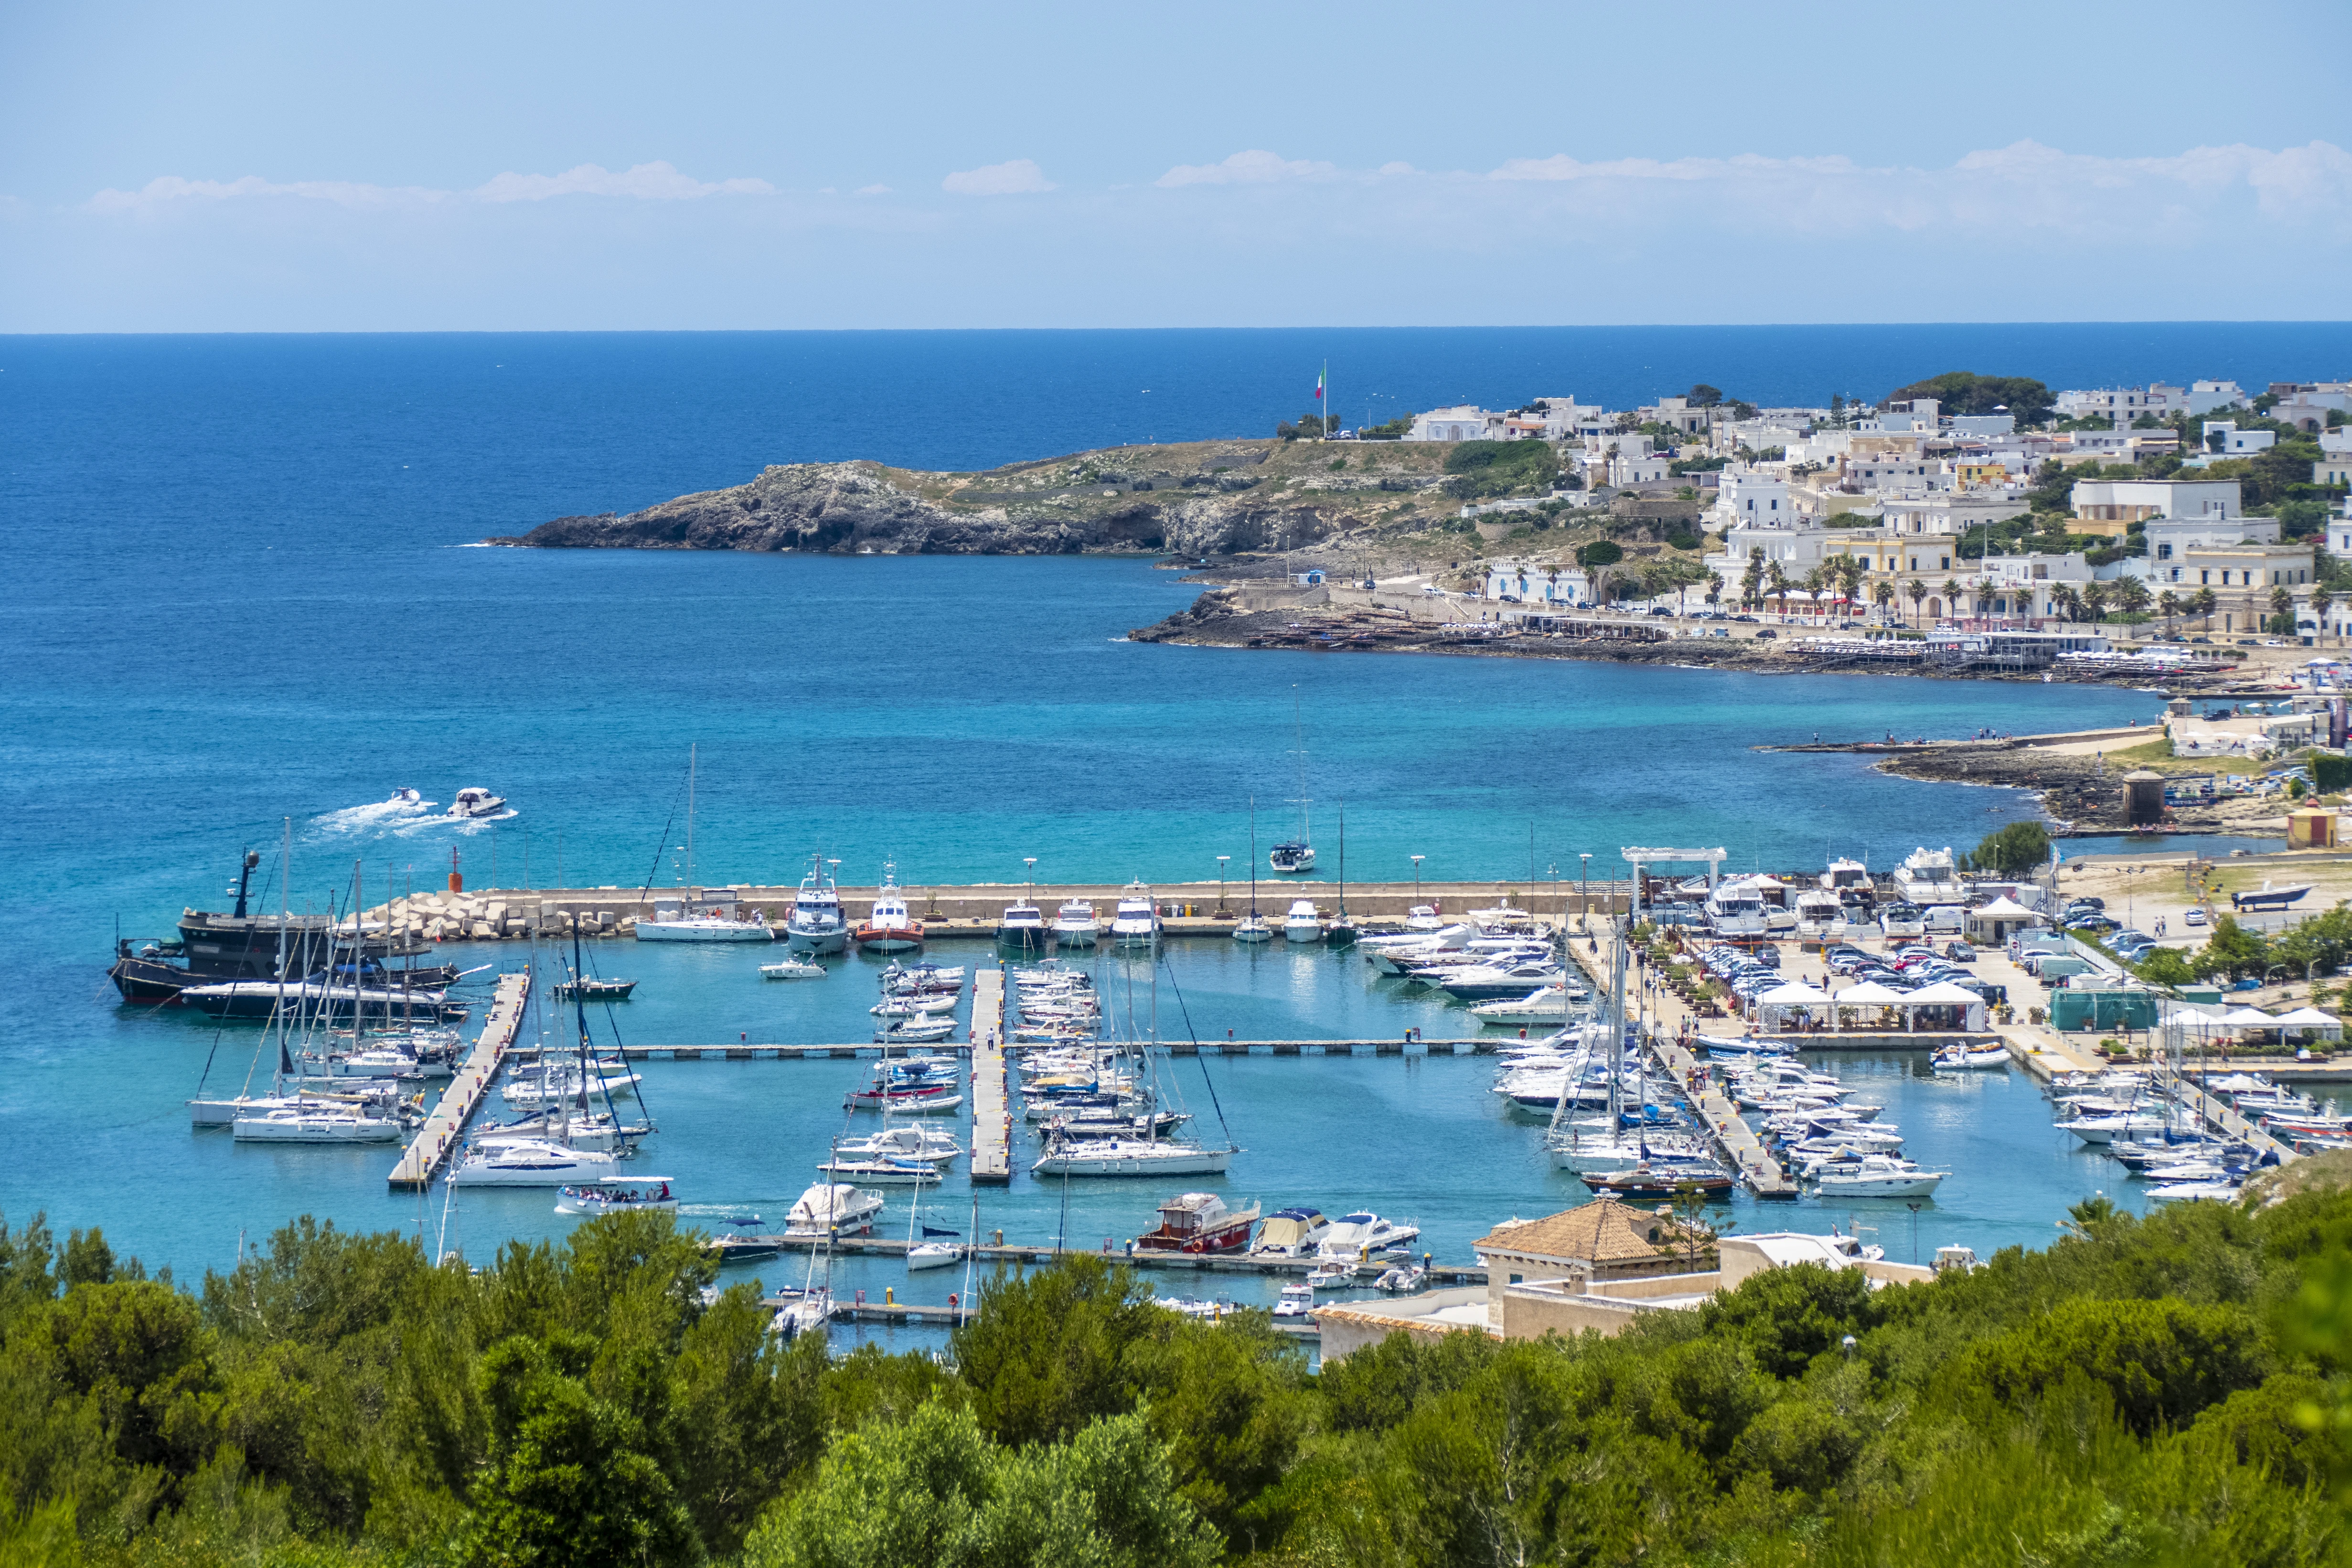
[(1625, 471), (1534, 584), (2236, 442), (1465, 422), (2133, 500), (2122, 405), (1747, 497), (2204, 397)]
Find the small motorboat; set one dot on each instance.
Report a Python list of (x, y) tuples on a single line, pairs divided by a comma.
[(474, 802), (793, 969), (408, 801), (1332, 1276), (1969, 1058), (1302, 923), (616, 1197), (1291, 1232), (532, 1162), (1298, 1302), (1403, 1277), (915, 1006), (594, 990), (927, 1030), (1356, 1238)]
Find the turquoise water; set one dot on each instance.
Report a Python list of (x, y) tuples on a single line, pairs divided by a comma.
[(239, 596)]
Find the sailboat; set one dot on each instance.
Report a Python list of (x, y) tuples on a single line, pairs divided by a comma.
[(1255, 928), (926, 1254), (1340, 929), (1298, 855), (698, 919)]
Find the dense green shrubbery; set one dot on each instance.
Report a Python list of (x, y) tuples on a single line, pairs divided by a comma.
[(1485, 469), (2171, 1390)]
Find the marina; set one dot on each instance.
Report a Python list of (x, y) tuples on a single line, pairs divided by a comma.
[(442, 1128)]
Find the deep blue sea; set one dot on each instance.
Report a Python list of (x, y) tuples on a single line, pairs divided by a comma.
[(239, 594)]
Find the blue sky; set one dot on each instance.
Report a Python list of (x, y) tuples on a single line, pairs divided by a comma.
[(283, 167)]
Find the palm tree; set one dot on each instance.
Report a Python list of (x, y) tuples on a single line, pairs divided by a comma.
[(2168, 604), (1752, 582), (2282, 604), (1715, 588), (1915, 591), (2206, 603), (1779, 585), (2320, 601), (1982, 592), (2095, 599), (2131, 595), (1884, 595)]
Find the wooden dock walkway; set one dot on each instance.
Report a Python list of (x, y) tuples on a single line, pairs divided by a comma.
[(858, 1310), (444, 1127), (991, 1100), (770, 1051), (1111, 1253), (2218, 1113)]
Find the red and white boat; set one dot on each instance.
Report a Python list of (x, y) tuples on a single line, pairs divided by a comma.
[(1199, 1222), (889, 928)]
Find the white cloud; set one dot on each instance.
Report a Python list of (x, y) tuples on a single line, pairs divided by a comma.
[(873, 190), (1255, 167), (172, 188), (645, 182), (1020, 177), (654, 182)]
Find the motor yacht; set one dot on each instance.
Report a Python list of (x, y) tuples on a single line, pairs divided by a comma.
[(909, 1142), (1293, 1232), (2107, 1129), (1356, 1238), (1735, 909), (832, 1208), (1902, 921), (474, 802), (1297, 1301), (532, 1162), (794, 968), (1877, 1176), (1022, 928), (1303, 923), (1821, 915), (1927, 876), (1547, 1003), (1074, 924), (1136, 922), (889, 928), (1481, 983), (816, 925), (1847, 876)]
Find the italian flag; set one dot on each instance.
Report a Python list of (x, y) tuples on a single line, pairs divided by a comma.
[(1318, 382)]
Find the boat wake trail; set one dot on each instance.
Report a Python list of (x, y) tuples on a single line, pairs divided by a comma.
[(404, 808)]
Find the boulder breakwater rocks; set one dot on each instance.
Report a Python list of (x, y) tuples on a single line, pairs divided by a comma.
[(1196, 498)]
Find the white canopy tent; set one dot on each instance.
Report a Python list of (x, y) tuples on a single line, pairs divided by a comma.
[(1868, 994), (1996, 922), (1773, 1007), (1944, 994), (2326, 1025)]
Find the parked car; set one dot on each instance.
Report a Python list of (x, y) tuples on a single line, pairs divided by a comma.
[(2092, 923), (1749, 618), (1660, 610), (1960, 952), (2194, 917), (1766, 634)]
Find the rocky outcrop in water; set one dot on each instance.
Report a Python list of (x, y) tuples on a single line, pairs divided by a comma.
[(1074, 505)]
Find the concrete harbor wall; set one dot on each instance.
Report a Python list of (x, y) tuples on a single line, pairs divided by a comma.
[(1188, 909)]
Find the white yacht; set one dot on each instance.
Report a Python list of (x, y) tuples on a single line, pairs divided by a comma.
[(888, 928), (1137, 922), (532, 1162), (1074, 924), (1424, 917), (1820, 914), (1846, 876), (793, 969), (1355, 1237), (1291, 858), (1023, 927), (830, 1206), (817, 925), (1302, 923), (314, 1124), (1735, 909), (1129, 1157), (884, 1171), (1293, 1232), (475, 802), (1926, 876), (1902, 922), (697, 919), (1546, 1004), (906, 1141), (1878, 1175)]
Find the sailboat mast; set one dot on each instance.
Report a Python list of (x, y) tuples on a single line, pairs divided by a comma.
[(690, 750), (1253, 820)]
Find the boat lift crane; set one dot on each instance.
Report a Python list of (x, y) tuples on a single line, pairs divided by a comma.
[(1639, 857)]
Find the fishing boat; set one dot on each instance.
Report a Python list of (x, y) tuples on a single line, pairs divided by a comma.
[(1199, 1222), (793, 969), (888, 928), (473, 801), (1136, 922), (1357, 1238), (816, 924), (1303, 923), (616, 1197), (1022, 928), (832, 1208), (1074, 924), (1297, 855)]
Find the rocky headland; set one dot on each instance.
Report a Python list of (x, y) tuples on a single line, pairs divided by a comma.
[(1198, 498)]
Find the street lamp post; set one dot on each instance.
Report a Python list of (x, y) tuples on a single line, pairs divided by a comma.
[(1584, 915), (1222, 913), (1416, 878)]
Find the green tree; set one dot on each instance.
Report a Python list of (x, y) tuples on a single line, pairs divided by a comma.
[(1046, 1353), (2015, 849), (1916, 591), (2204, 603), (1964, 392)]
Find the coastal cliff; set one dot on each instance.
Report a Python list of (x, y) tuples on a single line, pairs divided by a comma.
[(1198, 498)]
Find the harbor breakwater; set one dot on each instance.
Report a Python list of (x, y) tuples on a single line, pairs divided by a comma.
[(972, 910)]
